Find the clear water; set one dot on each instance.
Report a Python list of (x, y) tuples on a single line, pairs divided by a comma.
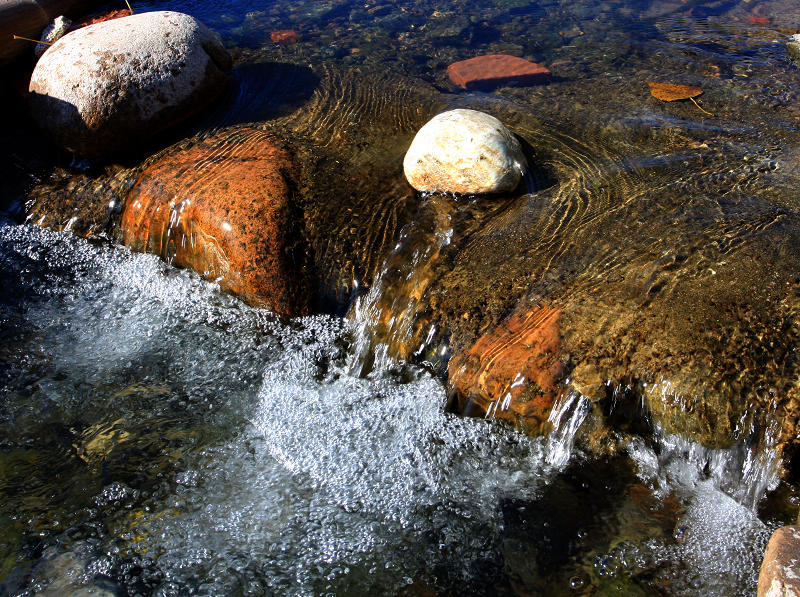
[(160, 438)]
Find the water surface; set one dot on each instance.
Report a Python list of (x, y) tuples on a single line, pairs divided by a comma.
[(161, 438)]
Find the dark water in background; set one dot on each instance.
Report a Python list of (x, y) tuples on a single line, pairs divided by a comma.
[(159, 438)]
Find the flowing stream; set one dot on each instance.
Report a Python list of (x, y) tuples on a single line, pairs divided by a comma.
[(159, 437)]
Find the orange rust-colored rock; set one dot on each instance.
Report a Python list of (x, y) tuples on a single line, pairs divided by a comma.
[(779, 570), (101, 17), (284, 37), (514, 371), (493, 70), (224, 208)]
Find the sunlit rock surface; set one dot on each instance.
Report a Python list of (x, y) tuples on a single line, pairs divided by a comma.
[(105, 88), (224, 206), (513, 371), (780, 571), (466, 152)]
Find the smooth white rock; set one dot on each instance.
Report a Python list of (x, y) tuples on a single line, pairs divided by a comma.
[(464, 152), (108, 86)]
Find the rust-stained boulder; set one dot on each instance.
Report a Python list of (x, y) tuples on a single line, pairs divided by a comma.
[(512, 372), (780, 570), (224, 207)]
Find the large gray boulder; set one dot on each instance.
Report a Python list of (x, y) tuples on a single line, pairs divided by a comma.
[(464, 152), (107, 87)]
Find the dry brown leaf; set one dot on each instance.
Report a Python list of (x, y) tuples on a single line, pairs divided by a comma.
[(669, 92)]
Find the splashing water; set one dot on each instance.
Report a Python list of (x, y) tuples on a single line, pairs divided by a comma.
[(215, 450), (568, 414), (383, 321)]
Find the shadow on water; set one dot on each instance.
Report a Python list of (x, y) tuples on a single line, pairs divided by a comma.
[(264, 91)]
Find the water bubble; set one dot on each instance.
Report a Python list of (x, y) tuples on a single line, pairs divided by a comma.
[(576, 583)]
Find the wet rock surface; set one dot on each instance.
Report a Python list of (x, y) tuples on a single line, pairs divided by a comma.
[(107, 87), (224, 206), (514, 371), (465, 152), (780, 571)]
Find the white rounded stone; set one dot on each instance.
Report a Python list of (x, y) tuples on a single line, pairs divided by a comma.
[(464, 152), (107, 86)]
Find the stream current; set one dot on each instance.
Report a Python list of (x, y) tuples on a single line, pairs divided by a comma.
[(158, 437), (161, 438)]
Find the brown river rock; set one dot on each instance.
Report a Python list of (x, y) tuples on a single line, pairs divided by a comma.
[(780, 573), (224, 207), (512, 372)]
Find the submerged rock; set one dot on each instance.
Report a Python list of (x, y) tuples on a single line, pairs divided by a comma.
[(514, 371), (780, 576), (224, 207), (493, 70), (284, 37), (464, 152), (104, 88)]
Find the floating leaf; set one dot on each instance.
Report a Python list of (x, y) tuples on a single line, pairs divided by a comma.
[(669, 92)]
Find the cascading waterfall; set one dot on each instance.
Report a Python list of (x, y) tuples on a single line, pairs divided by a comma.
[(566, 418), (384, 320), (745, 471)]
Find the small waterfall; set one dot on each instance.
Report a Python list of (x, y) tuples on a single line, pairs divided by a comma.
[(566, 418), (745, 471), (384, 321)]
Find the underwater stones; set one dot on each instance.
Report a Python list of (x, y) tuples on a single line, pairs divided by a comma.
[(780, 575), (465, 152), (493, 70), (284, 37), (106, 87), (512, 372), (100, 17), (223, 206)]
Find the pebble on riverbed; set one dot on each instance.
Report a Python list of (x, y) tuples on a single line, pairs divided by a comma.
[(494, 70), (464, 152), (52, 33), (106, 87)]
